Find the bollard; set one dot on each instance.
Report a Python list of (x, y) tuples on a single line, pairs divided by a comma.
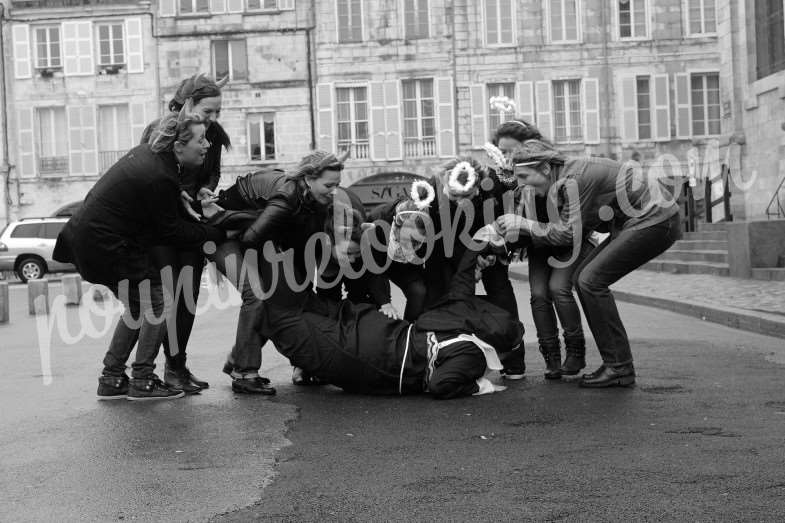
[(38, 297), (5, 303), (100, 293), (72, 288)]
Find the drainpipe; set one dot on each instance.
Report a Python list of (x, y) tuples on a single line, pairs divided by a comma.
[(607, 28), (4, 96), (311, 59)]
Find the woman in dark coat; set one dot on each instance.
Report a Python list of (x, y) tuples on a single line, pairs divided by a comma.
[(197, 184), (596, 194), (133, 207)]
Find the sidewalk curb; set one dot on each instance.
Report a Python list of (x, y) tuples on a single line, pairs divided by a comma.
[(733, 318)]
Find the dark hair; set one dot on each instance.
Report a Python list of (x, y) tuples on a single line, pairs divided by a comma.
[(517, 129), (197, 88), (348, 221)]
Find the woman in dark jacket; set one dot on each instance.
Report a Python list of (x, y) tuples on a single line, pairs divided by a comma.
[(131, 208), (597, 194), (197, 184)]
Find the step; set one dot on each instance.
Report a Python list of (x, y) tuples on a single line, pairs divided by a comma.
[(769, 274), (694, 256), (701, 245), (674, 267), (712, 227), (706, 236)]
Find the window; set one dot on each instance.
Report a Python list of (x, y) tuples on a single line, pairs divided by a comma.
[(643, 100), (499, 20), (633, 19), (770, 37), (114, 137), (415, 14), (26, 230), (47, 46), (567, 111), (705, 103), (496, 117), (350, 21), (351, 105), (110, 44), (52, 145), (229, 58), (261, 137), (419, 122), (194, 6), (702, 15), (51, 230), (258, 5), (564, 20)]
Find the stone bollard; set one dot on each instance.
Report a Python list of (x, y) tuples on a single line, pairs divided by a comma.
[(72, 288), (100, 293), (5, 303), (38, 297)]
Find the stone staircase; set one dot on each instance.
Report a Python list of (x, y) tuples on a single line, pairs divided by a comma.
[(705, 252)]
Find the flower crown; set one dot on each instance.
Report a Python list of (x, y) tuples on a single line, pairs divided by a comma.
[(461, 170), (503, 104), (497, 157), (422, 194)]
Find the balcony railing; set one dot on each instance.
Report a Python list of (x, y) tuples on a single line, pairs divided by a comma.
[(53, 165), (106, 159), (358, 150), (415, 148)]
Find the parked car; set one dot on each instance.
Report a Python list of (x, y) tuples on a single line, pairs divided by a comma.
[(26, 247)]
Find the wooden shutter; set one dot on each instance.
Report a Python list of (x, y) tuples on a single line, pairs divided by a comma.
[(138, 121), (22, 65), (662, 108), (544, 108), (167, 8), (324, 110), (629, 109), (479, 109), (445, 111), (392, 115), (590, 88), (235, 6), (25, 131), (285, 5), (683, 116), (525, 96), (135, 45), (78, 48), (217, 6), (378, 137), (82, 136)]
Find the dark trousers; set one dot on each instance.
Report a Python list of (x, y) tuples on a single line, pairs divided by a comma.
[(411, 280), (496, 280), (241, 268), (186, 275), (552, 297), (616, 257)]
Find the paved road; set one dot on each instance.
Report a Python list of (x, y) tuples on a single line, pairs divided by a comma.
[(700, 438)]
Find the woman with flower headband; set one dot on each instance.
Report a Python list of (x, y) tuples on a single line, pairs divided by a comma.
[(551, 288), (595, 194)]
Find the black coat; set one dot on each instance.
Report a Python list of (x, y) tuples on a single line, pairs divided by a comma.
[(132, 207)]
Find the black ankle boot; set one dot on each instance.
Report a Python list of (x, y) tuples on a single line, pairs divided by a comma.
[(552, 356), (573, 362)]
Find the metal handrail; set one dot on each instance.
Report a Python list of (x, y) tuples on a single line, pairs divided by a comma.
[(780, 211), (723, 178)]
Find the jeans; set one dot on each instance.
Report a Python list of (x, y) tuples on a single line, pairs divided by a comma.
[(551, 288), (411, 280), (144, 319), (496, 281), (616, 257), (246, 355)]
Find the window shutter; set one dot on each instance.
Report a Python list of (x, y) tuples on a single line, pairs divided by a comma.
[(629, 110), (138, 121), (392, 114), (591, 110), (234, 6), (167, 8), (24, 124), (544, 110), (525, 95), (479, 124), (446, 120), (22, 66), (70, 58), (89, 141), (683, 117), (324, 109), (285, 5), (76, 162), (133, 33), (217, 6), (78, 48), (662, 108), (378, 136)]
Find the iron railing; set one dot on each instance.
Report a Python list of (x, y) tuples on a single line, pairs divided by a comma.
[(776, 205), (106, 159)]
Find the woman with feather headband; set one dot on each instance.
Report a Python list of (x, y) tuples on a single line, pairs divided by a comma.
[(198, 95)]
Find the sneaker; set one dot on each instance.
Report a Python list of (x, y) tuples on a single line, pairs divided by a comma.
[(514, 365), (300, 377), (145, 389), (112, 387)]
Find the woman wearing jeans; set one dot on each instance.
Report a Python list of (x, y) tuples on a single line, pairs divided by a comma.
[(596, 194)]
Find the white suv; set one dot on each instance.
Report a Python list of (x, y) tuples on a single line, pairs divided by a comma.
[(26, 247)]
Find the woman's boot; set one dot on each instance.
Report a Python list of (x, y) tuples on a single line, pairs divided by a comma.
[(575, 359), (552, 356)]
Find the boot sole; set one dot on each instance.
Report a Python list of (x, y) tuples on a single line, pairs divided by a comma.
[(112, 398), (155, 398), (624, 381)]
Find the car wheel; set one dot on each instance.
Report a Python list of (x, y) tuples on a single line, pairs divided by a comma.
[(30, 269)]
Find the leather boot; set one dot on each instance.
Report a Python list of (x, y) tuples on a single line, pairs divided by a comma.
[(574, 361), (180, 379), (552, 356)]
